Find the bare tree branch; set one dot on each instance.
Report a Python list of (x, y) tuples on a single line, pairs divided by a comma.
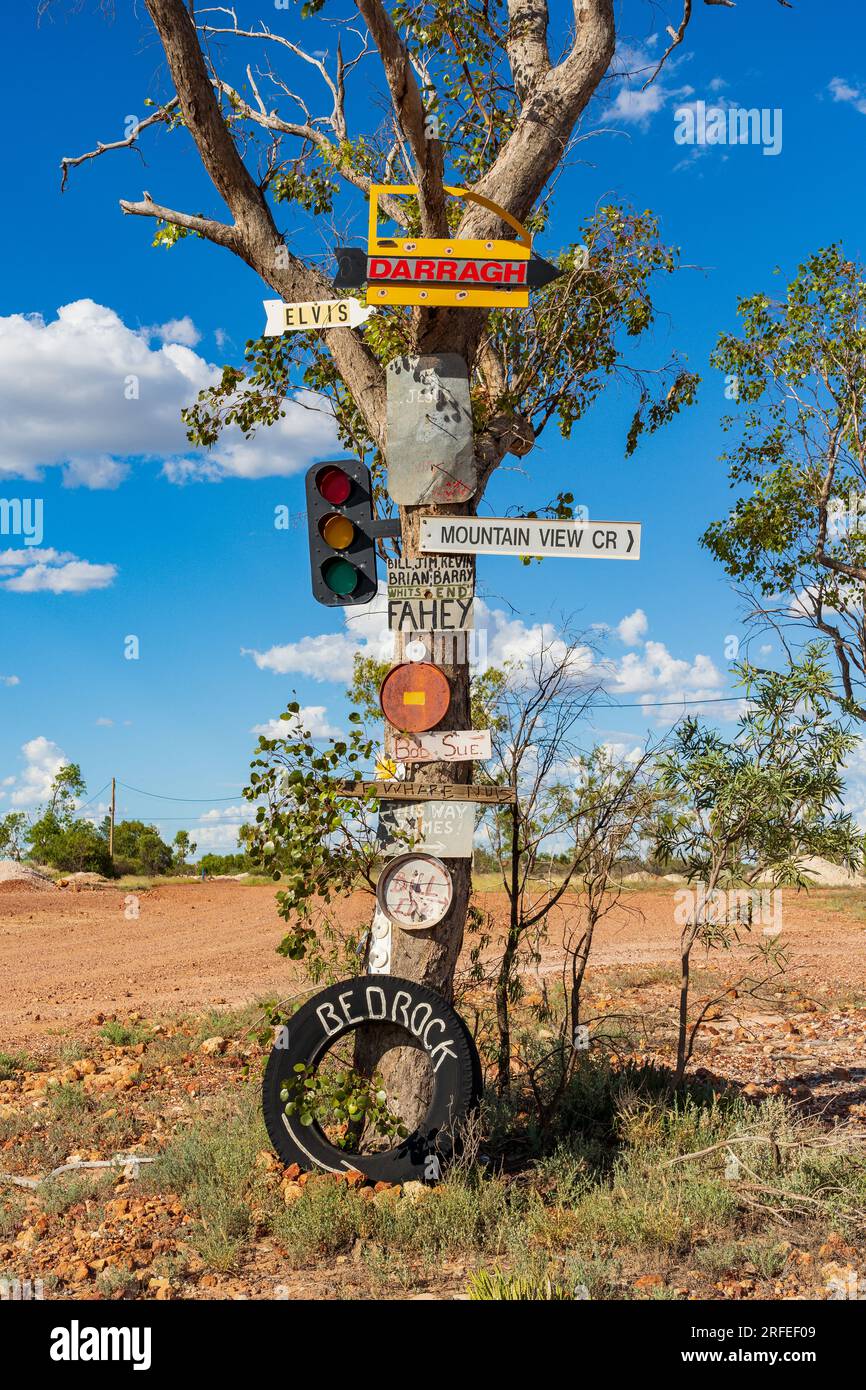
[(409, 108), (70, 161), (217, 232)]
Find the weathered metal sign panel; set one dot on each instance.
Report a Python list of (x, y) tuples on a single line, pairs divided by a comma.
[(466, 745), (429, 443), (423, 791), (434, 596), (576, 540), (445, 828), (414, 696)]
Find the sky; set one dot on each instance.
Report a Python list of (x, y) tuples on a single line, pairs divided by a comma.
[(104, 338)]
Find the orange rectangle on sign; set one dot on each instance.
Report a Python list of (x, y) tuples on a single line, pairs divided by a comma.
[(414, 697)]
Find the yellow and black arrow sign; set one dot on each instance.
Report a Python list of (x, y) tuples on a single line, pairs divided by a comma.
[(435, 271)]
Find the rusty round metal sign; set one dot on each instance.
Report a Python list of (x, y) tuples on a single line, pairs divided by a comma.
[(415, 696)]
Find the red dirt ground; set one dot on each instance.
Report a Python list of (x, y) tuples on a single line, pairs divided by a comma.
[(67, 955)]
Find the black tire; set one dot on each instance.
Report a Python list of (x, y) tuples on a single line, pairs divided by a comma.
[(328, 1016)]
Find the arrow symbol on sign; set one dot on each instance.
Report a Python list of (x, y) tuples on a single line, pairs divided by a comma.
[(540, 272), (630, 540)]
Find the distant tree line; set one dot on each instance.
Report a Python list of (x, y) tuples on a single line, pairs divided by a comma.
[(58, 836)]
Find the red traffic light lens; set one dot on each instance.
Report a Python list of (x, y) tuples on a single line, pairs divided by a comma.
[(334, 485)]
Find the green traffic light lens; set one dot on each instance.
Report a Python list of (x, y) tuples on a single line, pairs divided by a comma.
[(340, 577)]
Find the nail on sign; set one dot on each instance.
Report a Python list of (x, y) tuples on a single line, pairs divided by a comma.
[(577, 540), (330, 313)]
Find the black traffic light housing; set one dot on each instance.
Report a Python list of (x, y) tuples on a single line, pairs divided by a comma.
[(343, 532)]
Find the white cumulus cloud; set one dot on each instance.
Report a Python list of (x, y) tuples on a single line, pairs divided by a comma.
[(840, 90), (43, 759), (633, 627), (313, 718), (52, 572), (181, 330), (86, 393)]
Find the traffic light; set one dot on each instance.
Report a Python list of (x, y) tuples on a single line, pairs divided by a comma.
[(343, 532)]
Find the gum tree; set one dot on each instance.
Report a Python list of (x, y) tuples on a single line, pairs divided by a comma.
[(795, 538), (483, 94), (754, 807)]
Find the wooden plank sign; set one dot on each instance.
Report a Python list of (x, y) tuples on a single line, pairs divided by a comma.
[(429, 444), (432, 597), (329, 313), (445, 828), (427, 791), (455, 746), (576, 540)]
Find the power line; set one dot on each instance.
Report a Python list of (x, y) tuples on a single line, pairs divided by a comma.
[(160, 796), (95, 797), (710, 700)]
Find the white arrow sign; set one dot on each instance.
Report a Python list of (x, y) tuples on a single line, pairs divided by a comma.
[(330, 313), (577, 540)]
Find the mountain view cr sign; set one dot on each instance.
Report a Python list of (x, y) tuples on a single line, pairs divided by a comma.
[(576, 540)]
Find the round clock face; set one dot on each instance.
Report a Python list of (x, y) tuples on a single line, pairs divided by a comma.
[(414, 890)]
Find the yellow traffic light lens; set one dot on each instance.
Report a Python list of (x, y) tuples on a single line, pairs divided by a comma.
[(338, 531)]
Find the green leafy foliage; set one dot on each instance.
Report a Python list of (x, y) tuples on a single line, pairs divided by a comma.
[(556, 357), (168, 234), (771, 795), (141, 848), (798, 373), (341, 1102), (318, 844), (13, 834)]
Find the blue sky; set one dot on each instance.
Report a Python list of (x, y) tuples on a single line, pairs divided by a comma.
[(144, 537)]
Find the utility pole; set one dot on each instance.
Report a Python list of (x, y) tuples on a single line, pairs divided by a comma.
[(111, 824)]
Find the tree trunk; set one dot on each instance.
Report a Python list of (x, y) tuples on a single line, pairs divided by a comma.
[(427, 957)]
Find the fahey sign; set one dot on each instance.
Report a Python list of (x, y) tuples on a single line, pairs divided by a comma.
[(330, 313), (578, 540), (431, 597)]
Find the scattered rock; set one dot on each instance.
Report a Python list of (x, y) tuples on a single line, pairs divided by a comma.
[(415, 1191), (15, 876)]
